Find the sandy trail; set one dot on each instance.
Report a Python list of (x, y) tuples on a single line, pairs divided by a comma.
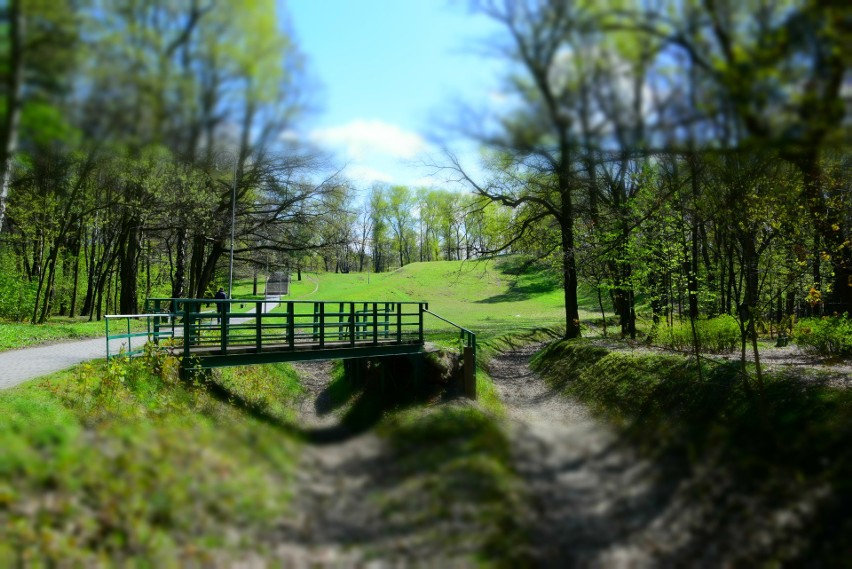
[(589, 491)]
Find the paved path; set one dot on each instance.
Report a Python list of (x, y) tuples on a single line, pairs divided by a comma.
[(18, 366)]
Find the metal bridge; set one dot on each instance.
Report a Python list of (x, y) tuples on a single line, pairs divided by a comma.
[(210, 333)]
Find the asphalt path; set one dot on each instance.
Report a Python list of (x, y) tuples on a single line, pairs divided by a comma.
[(18, 366)]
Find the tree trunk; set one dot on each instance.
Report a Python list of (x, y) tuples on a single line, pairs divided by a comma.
[(14, 101), (129, 268), (179, 275), (830, 230)]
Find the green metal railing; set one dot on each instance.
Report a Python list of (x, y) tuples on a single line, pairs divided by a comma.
[(468, 341), (158, 326), (468, 338), (282, 325)]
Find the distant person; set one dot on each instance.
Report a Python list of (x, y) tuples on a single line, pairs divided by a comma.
[(220, 306)]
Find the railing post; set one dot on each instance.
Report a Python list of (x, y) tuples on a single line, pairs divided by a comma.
[(187, 329), (225, 312), (398, 322), (420, 324), (156, 321), (352, 324), (375, 323), (258, 321), (291, 330), (469, 373), (321, 324), (340, 322), (129, 339), (364, 321), (106, 320), (314, 324)]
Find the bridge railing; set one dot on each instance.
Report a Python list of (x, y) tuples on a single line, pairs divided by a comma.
[(468, 340), (256, 325), (159, 326)]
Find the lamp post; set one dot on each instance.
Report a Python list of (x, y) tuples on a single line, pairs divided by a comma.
[(233, 224)]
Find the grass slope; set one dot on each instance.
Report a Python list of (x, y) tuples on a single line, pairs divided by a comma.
[(124, 465), (486, 296)]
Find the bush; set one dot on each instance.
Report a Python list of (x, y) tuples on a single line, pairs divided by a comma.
[(720, 334), (826, 336), (17, 297)]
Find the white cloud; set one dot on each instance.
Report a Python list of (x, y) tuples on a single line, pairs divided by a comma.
[(367, 175), (362, 138)]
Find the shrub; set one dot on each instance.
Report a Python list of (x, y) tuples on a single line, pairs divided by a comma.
[(720, 334), (17, 297), (828, 336)]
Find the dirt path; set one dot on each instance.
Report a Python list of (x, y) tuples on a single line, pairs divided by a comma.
[(589, 492)]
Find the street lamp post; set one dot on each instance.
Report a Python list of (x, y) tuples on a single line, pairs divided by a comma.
[(233, 223)]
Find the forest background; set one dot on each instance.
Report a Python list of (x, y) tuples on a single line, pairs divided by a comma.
[(687, 160)]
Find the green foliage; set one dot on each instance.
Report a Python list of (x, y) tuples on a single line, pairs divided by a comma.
[(828, 336), (720, 334), (15, 335), (122, 461), (272, 389), (17, 297)]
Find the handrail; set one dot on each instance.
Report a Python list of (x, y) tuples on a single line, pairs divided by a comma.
[(465, 333), (468, 354), (148, 334)]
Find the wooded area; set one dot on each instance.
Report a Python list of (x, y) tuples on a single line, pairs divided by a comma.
[(691, 158)]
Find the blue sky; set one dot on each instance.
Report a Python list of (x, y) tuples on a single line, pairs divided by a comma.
[(390, 71)]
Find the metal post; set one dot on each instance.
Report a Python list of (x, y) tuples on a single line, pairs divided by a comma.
[(156, 321), (322, 324), (258, 313), (223, 337), (398, 322), (375, 323), (187, 329), (107, 336), (352, 324), (233, 224), (291, 331), (469, 373)]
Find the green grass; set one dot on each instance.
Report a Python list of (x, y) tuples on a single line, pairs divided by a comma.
[(126, 463), (456, 464), (490, 297), (17, 335)]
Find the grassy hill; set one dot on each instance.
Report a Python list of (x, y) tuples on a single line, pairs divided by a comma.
[(486, 296)]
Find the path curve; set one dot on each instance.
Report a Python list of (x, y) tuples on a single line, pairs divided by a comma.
[(24, 364), (18, 366)]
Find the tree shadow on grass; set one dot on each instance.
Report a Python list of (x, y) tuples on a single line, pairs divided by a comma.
[(517, 293), (367, 394)]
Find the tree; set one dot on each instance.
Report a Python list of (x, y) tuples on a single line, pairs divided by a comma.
[(779, 68)]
